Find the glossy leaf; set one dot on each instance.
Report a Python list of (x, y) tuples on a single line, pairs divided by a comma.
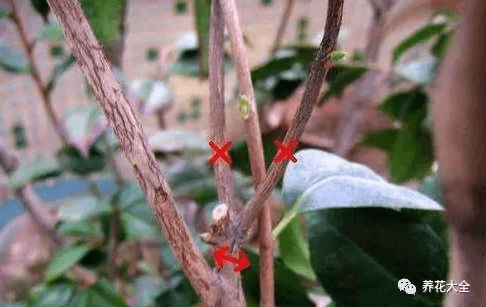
[(344, 76), (72, 159), (417, 37), (103, 294), (65, 259), (84, 126), (402, 105), (294, 250), (179, 293), (382, 139), (420, 71), (171, 141), (41, 167), (13, 60), (322, 180), (131, 195), (365, 233)]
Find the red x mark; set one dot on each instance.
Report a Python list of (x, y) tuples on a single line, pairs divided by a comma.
[(220, 152), (285, 151)]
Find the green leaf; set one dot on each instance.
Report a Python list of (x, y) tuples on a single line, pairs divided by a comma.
[(103, 294), (82, 228), (402, 105), (105, 18), (65, 259), (152, 54), (419, 36), (51, 32), (413, 153), (365, 233), (430, 187), (130, 195), (148, 288), (441, 45), (284, 60), (59, 70), (360, 254), (202, 15), (54, 295), (180, 6), (171, 141), (41, 167), (137, 228), (382, 139), (322, 180), (345, 76), (187, 63), (152, 95), (72, 159), (12, 60), (84, 126), (4, 11), (294, 250), (420, 71), (75, 210), (289, 291)]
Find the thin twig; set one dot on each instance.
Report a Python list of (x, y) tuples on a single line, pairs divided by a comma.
[(255, 148), (317, 75), (224, 182), (34, 72), (111, 157), (226, 193), (357, 101), (283, 25), (38, 212), (123, 119)]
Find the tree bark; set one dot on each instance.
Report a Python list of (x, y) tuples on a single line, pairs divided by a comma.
[(123, 119), (459, 113)]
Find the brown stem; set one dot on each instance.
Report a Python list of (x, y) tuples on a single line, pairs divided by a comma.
[(283, 25), (224, 183), (255, 148), (160, 119), (123, 119), (113, 244), (34, 72), (358, 100), (317, 75), (459, 135)]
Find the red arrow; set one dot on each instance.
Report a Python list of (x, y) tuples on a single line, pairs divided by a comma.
[(221, 255)]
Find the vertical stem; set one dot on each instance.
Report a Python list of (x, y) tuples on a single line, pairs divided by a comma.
[(255, 147), (222, 170), (34, 72), (283, 25), (202, 12)]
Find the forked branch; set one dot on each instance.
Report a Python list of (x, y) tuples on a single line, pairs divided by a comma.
[(123, 119), (317, 75)]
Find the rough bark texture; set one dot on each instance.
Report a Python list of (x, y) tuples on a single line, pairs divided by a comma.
[(459, 114), (122, 118), (255, 148), (317, 75), (235, 296)]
